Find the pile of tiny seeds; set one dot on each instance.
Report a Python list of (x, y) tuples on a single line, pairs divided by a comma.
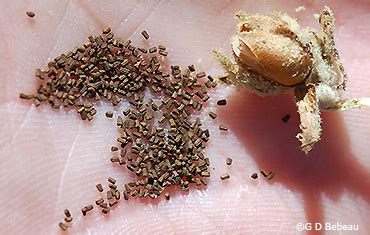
[(159, 142)]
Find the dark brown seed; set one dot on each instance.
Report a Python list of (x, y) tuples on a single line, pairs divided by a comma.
[(161, 47), (201, 74), (99, 201), (109, 114), (263, 173), (223, 128), (107, 30), (286, 118), (24, 96), (229, 161), (89, 207), (113, 148), (67, 213), (106, 210), (68, 219), (254, 176), (99, 187), (111, 180), (164, 53), (30, 14), (271, 175), (63, 226), (221, 102), (212, 115), (191, 68), (145, 34), (167, 196), (225, 176)]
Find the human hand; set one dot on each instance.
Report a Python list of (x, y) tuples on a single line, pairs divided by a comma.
[(51, 160)]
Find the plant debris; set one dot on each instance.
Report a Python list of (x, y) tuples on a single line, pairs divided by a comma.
[(274, 54)]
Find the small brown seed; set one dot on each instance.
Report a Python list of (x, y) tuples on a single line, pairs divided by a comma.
[(63, 226), (263, 173), (201, 74), (229, 161), (106, 210), (109, 114), (191, 68), (286, 118), (30, 14), (113, 148), (167, 196), (145, 34), (99, 201), (212, 115), (223, 128), (107, 30), (225, 176), (67, 213), (99, 187), (254, 176), (24, 96), (271, 175), (221, 102), (68, 219), (111, 180)]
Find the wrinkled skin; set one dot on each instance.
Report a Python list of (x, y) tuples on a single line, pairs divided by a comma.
[(51, 160)]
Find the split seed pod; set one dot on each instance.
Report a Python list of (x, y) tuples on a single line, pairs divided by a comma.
[(274, 54)]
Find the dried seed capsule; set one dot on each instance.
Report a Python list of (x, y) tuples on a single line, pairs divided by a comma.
[(63, 226), (30, 14), (109, 114), (212, 115), (99, 187), (229, 161), (145, 34), (254, 176), (225, 176), (221, 102), (285, 118)]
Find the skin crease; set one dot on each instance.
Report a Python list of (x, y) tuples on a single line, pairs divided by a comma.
[(51, 160)]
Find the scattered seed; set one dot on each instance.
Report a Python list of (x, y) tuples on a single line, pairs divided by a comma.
[(225, 176), (263, 173), (67, 213), (145, 34), (63, 226), (229, 161), (99, 187), (111, 180), (109, 114), (99, 201), (106, 30), (223, 128), (271, 175), (221, 102), (113, 148), (167, 196), (106, 210), (24, 96), (212, 115), (286, 118), (254, 176), (30, 14), (68, 219)]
